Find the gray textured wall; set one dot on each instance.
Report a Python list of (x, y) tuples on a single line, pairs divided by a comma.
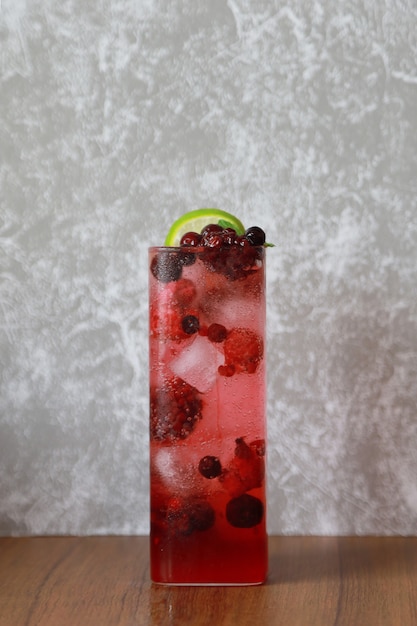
[(116, 117)]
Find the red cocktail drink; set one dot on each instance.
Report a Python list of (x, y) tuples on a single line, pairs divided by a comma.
[(207, 415)]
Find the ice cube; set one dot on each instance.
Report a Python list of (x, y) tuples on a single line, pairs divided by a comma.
[(172, 470), (198, 363), (236, 311)]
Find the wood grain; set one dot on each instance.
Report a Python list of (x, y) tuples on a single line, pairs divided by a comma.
[(323, 581)]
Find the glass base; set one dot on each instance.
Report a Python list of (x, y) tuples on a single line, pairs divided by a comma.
[(227, 584)]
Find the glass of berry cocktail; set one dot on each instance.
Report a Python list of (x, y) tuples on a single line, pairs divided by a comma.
[(207, 408)]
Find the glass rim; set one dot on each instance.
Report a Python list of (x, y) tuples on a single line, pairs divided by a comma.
[(199, 249)]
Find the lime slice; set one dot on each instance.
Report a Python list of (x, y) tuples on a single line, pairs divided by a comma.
[(194, 221)]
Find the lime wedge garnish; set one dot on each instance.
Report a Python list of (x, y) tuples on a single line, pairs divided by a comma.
[(195, 221)]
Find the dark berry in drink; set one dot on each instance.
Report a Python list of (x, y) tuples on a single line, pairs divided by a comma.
[(190, 324), (245, 511), (187, 516), (175, 409), (216, 333), (210, 467), (255, 235), (201, 515), (186, 258), (166, 267)]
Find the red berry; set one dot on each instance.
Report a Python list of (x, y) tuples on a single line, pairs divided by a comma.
[(184, 292), (209, 229), (245, 471), (226, 370), (216, 333), (229, 237), (243, 349), (190, 239), (213, 240)]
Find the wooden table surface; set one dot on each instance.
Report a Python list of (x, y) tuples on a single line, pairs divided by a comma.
[(101, 581)]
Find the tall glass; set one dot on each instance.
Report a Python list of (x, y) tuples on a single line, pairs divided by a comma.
[(207, 416)]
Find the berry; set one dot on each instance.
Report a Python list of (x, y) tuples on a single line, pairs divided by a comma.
[(214, 240), (184, 292), (229, 237), (175, 409), (186, 258), (210, 467), (190, 239), (227, 370), (246, 470), (186, 516), (216, 333), (242, 242), (227, 253), (190, 324), (171, 305), (245, 511), (243, 349), (166, 266), (255, 235), (201, 515), (209, 230)]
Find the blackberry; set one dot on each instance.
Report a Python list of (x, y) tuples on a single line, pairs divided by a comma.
[(166, 267), (175, 409), (187, 516), (201, 515), (210, 467), (245, 511)]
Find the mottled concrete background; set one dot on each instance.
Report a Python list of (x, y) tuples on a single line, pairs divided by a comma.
[(116, 117)]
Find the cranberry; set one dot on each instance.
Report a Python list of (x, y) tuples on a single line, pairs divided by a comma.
[(209, 229), (216, 333), (229, 237), (190, 239)]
